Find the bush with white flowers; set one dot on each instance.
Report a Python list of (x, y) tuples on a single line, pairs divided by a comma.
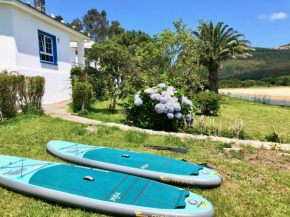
[(160, 107)]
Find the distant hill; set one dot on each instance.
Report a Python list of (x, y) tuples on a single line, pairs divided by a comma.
[(265, 62)]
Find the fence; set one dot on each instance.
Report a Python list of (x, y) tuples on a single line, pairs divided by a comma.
[(263, 98)]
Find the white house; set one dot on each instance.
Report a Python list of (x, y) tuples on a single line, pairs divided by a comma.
[(74, 54), (34, 43)]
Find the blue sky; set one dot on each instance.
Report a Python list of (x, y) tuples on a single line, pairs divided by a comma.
[(266, 23)]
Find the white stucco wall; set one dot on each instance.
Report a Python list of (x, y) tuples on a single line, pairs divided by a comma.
[(7, 41), (27, 56)]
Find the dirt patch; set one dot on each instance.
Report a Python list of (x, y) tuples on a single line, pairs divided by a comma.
[(271, 158)]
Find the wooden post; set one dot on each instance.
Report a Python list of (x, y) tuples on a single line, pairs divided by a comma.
[(278, 139)]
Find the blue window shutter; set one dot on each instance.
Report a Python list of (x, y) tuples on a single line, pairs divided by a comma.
[(55, 51)]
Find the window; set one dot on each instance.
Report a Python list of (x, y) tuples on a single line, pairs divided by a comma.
[(47, 48)]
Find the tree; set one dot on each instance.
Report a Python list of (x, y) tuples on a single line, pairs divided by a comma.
[(78, 24), (96, 24), (180, 54), (215, 45), (58, 18), (115, 29), (116, 61)]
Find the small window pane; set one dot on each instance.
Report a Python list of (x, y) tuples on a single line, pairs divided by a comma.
[(41, 42), (47, 40)]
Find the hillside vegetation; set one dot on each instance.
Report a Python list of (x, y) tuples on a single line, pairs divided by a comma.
[(264, 63)]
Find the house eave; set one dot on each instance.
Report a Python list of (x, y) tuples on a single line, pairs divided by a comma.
[(34, 12)]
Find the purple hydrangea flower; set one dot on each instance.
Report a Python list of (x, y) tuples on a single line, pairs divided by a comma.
[(149, 90), (168, 97), (159, 108), (163, 100), (187, 102), (137, 96), (170, 89), (170, 115), (165, 110), (183, 99), (170, 109), (165, 93), (157, 97), (138, 102), (177, 107), (153, 96), (178, 115), (161, 86), (155, 91)]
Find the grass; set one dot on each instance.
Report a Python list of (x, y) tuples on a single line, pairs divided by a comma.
[(100, 111), (256, 183), (258, 118)]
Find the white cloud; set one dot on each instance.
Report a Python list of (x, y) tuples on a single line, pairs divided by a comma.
[(274, 16), (278, 16)]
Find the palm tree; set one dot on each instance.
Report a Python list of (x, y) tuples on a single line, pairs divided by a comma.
[(215, 45)]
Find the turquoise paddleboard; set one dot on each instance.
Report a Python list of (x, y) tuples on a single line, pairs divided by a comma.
[(145, 165), (99, 190)]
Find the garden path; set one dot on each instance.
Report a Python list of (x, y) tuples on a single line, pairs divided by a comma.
[(60, 110)]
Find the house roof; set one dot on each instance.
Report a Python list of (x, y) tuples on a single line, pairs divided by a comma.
[(29, 8)]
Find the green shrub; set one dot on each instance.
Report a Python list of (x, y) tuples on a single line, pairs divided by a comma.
[(34, 91), (208, 102), (32, 108), (8, 95), (99, 81), (97, 78), (160, 108), (18, 90), (82, 96), (77, 72)]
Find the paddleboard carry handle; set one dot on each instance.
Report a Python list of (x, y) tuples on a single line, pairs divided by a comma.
[(88, 178), (125, 155)]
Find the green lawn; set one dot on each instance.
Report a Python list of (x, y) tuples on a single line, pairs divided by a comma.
[(100, 111), (258, 118), (256, 182)]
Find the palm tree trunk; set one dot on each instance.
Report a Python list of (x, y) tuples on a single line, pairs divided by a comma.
[(213, 81)]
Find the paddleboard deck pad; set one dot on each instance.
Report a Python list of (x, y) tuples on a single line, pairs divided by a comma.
[(145, 165), (100, 190)]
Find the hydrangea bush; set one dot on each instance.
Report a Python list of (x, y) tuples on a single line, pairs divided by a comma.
[(161, 107)]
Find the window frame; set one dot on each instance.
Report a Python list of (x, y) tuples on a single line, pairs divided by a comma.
[(53, 53)]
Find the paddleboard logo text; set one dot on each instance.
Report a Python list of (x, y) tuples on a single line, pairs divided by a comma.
[(115, 196), (182, 181), (145, 166), (163, 179), (139, 214)]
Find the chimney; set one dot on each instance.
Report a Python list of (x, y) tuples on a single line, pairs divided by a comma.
[(40, 5)]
